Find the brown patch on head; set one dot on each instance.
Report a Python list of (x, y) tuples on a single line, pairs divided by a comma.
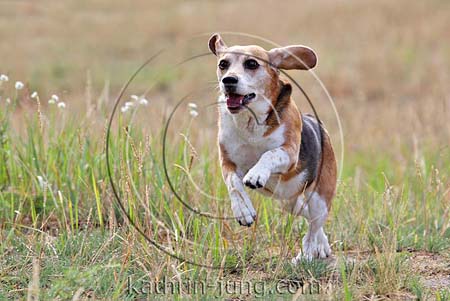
[(251, 51), (254, 51)]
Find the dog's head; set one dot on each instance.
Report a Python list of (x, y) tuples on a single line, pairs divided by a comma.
[(249, 76)]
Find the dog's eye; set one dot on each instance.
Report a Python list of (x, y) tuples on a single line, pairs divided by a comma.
[(223, 64), (251, 64)]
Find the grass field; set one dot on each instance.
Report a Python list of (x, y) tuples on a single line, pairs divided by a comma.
[(386, 64)]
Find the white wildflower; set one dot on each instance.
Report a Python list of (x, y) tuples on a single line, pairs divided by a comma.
[(135, 97), (55, 97), (51, 101), (19, 85), (192, 105), (143, 101), (42, 182), (34, 94), (129, 104), (193, 113), (4, 78), (124, 109), (61, 105), (8, 100)]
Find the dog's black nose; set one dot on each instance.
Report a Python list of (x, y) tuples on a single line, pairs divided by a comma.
[(230, 80)]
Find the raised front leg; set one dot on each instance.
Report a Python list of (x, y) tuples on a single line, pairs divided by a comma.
[(277, 160)]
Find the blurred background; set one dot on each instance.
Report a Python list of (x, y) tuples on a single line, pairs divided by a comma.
[(384, 63)]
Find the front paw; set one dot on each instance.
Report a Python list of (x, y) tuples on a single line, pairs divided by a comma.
[(243, 210), (257, 177)]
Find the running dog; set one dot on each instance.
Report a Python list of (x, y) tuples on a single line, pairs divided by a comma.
[(266, 144)]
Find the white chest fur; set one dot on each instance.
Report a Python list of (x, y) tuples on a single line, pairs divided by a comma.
[(244, 140)]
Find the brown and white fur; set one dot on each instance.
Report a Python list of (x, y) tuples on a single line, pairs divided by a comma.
[(267, 144)]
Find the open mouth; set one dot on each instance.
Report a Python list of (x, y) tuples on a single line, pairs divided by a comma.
[(235, 102)]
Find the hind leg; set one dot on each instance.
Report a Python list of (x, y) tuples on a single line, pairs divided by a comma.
[(315, 242)]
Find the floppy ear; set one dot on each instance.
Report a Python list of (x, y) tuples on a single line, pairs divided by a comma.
[(286, 57), (216, 44)]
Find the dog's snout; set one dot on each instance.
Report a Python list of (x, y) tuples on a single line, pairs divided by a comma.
[(230, 80)]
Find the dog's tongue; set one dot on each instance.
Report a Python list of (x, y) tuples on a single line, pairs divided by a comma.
[(234, 100)]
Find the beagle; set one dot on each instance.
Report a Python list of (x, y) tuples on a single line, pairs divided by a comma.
[(266, 144)]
